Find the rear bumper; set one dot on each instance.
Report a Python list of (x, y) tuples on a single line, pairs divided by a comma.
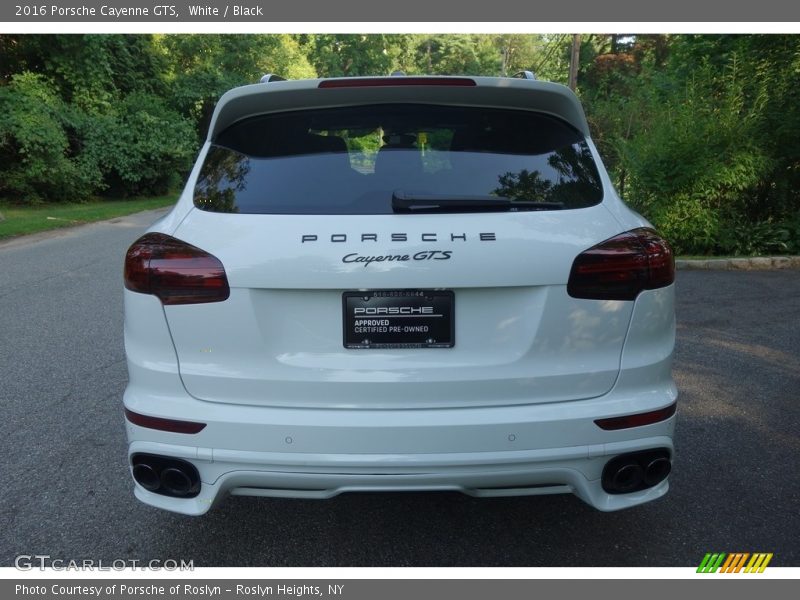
[(498, 451), (542, 448), (528, 475)]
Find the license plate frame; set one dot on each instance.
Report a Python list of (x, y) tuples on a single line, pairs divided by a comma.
[(373, 327)]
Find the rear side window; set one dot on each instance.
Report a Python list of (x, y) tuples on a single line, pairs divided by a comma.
[(351, 160)]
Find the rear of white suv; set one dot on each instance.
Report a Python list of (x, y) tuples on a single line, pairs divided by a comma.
[(405, 283)]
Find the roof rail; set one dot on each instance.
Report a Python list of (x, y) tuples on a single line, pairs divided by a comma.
[(270, 77), (524, 75)]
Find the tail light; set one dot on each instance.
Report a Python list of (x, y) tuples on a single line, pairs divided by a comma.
[(623, 266), (176, 272)]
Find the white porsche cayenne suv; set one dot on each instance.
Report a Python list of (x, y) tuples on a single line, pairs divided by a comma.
[(399, 284)]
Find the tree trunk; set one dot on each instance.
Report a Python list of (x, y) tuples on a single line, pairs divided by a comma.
[(573, 62)]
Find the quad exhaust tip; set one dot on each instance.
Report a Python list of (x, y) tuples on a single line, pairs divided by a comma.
[(166, 476), (627, 477), (146, 476), (636, 471), (657, 471), (176, 481)]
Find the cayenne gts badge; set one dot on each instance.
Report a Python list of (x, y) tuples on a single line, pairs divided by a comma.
[(355, 257)]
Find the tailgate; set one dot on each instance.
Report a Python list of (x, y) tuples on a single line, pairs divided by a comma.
[(519, 338)]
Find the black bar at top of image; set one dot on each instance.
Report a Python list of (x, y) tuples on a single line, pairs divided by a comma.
[(496, 11)]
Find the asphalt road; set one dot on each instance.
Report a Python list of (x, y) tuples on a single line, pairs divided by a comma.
[(65, 489)]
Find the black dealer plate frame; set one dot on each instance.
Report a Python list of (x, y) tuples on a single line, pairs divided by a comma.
[(416, 295)]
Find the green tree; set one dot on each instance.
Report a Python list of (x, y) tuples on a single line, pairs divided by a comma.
[(38, 161), (91, 71), (141, 146), (203, 67), (351, 55), (518, 52), (458, 54), (701, 134)]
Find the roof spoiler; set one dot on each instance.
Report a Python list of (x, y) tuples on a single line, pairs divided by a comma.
[(521, 92)]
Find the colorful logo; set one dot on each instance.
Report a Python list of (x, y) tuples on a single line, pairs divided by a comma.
[(735, 562)]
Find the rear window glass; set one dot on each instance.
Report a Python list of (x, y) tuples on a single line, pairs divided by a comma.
[(351, 160)]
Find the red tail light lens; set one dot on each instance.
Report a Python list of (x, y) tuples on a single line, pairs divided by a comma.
[(171, 425), (623, 266), (176, 272), (393, 81), (637, 420)]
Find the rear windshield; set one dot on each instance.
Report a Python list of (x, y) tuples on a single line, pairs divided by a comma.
[(352, 160)]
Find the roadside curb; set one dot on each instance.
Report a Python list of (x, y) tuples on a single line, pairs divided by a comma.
[(757, 263)]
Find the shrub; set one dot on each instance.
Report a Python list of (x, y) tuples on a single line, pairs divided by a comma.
[(38, 152), (696, 162), (142, 147)]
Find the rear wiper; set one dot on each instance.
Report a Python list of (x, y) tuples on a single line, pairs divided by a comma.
[(413, 203)]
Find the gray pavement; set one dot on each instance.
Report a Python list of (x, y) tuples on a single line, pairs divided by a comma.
[(65, 489)]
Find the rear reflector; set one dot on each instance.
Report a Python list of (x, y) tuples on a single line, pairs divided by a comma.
[(163, 424), (396, 81), (623, 266), (176, 272), (638, 420)]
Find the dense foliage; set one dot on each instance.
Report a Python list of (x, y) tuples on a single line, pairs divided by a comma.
[(700, 133)]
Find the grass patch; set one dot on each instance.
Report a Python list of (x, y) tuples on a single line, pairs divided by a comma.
[(23, 220)]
